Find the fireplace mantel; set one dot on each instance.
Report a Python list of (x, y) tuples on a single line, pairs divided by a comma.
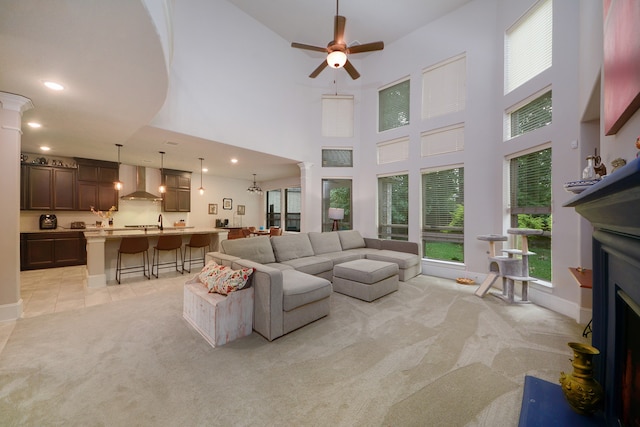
[(613, 208)]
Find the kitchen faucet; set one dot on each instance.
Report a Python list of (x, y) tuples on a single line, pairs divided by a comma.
[(160, 221)]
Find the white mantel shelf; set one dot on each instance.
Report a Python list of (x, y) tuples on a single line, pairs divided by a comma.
[(103, 244)]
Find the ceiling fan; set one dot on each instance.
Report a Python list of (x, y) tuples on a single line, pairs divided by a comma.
[(337, 49)]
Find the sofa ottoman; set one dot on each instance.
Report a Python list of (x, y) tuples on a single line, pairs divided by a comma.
[(365, 279)]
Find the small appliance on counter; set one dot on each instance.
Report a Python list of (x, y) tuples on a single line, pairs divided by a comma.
[(48, 222), (222, 223)]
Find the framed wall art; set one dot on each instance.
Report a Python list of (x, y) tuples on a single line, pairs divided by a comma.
[(240, 210), (227, 204), (213, 209)]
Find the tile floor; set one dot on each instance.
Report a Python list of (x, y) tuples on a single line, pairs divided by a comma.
[(60, 289)]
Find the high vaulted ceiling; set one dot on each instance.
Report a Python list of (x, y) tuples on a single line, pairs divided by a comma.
[(117, 80)]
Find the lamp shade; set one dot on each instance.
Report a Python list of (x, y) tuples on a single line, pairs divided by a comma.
[(336, 59), (336, 213)]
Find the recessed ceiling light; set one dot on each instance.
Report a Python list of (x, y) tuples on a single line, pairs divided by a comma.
[(234, 160), (53, 85), (34, 125), (45, 148)]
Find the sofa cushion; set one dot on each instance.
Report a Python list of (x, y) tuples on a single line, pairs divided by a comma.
[(323, 243), (257, 249), (279, 266), (351, 239), (343, 256), (299, 289), (403, 259), (311, 264), (291, 246)]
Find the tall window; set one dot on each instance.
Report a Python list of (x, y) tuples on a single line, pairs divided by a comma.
[(393, 106), (444, 88), (530, 194), (443, 214), (529, 45), (336, 193), (273, 208), (293, 204), (533, 115), (393, 207)]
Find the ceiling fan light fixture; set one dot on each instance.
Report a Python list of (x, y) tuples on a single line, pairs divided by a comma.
[(336, 59)]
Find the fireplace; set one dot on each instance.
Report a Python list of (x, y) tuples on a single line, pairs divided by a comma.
[(613, 208)]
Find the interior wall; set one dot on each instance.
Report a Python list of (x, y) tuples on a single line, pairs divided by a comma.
[(222, 59), (201, 101)]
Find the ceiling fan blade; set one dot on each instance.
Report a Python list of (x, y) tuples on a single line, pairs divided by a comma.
[(351, 70), (367, 47), (338, 29), (318, 70), (308, 47)]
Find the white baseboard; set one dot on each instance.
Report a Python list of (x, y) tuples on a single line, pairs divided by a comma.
[(9, 312), (538, 294)]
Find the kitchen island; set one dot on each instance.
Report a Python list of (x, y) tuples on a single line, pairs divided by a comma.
[(103, 244)]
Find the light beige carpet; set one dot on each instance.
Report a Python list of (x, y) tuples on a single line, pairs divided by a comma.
[(431, 354)]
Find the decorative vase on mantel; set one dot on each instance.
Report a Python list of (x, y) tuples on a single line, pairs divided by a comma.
[(583, 393)]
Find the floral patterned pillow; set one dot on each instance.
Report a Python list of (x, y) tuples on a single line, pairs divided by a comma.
[(222, 279)]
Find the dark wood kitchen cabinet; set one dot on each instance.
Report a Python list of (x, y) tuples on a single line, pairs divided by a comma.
[(96, 184), (48, 188), (177, 198), (52, 249)]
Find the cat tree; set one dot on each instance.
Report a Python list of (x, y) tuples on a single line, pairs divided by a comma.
[(512, 267)]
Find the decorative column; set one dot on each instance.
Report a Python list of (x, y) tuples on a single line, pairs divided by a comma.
[(11, 108), (306, 207)]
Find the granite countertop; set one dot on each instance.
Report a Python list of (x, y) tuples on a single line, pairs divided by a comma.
[(115, 233)]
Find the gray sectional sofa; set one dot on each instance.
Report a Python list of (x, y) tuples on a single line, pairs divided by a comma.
[(292, 281)]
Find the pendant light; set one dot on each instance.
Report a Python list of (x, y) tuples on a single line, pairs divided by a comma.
[(163, 188), (118, 184), (254, 189), (201, 189)]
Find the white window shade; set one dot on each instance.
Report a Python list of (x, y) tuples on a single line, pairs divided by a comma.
[(337, 116), (443, 140), (393, 151), (528, 45), (444, 88)]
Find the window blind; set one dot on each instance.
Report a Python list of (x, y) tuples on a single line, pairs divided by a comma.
[(443, 140), (337, 116), (529, 45), (530, 179), (337, 157), (443, 197), (393, 106), (393, 151), (536, 114), (444, 88)]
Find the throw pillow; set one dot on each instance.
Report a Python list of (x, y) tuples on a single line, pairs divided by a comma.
[(224, 280)]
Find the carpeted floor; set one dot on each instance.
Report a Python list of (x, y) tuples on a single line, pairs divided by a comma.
[(431, 354)]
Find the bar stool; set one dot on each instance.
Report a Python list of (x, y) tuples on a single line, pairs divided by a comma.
[(167, 243), (197, 241), (133, 245)]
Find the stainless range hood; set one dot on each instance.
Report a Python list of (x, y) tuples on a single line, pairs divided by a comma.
[(141, 192)]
